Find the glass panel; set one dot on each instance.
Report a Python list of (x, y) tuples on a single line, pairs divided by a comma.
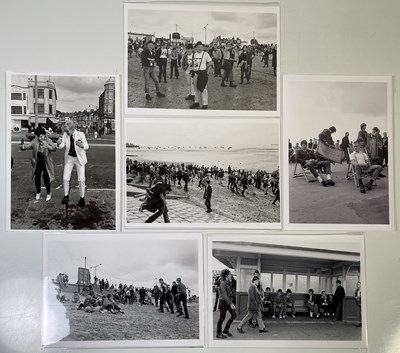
[(302, 284), (323, 285), (291, 282), (351, 284), (277, 281), (16, 110), (16, 96), (266, 280), (314, 283), (246, 275)]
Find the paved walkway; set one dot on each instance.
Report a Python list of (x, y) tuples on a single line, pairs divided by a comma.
[(179, 212)]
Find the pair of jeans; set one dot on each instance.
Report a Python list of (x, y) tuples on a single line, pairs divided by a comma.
[(39, 170), (224, 307), (162, 63), (149, 73), (174, 67)]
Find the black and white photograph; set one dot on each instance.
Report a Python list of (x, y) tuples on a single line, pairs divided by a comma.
[(222, 58), (337, 138), (295, 291), (123, 291), (62, 133), (202, 171)]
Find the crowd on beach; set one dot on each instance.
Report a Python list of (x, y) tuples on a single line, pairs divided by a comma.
[(102, 297), (263, 303), (367, 154), (196, 60), (161, 177)]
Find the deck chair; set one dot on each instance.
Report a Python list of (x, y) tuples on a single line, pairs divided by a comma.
[(351, 173), (304, 172)]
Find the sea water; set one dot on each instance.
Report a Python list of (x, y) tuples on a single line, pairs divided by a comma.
[(244, 158)]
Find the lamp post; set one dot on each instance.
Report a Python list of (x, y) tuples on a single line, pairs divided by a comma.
[(95, 269)]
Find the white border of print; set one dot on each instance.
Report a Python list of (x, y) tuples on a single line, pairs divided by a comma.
[(303, 239), (117, 147), (285, 163), (128, 343), (218, 7), (171, 226)]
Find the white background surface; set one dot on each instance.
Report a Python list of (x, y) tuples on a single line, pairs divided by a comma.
[(349, 37)]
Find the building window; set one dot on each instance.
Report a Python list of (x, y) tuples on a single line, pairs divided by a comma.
[(314, 283), (50, 108), (16, 109), (24, 96), (40, 93), (302, 284), (50, 94), (25, 110), (40, 108), (277, 281), (16, 96), (291, 282)]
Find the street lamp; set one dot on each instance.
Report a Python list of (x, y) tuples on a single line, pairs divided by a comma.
[(95, 269)]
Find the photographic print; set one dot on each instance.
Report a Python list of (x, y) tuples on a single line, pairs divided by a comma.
[(202, 171), (338, 135), (295, 291), (123, 291), (219, 58), (62, 131)]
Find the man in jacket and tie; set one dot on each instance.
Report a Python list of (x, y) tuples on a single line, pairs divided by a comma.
[(75, 144)]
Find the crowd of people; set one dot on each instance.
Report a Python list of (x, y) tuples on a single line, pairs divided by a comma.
[(102, 297), (368, 155), (262, 303), (162, 177), (195, 61)]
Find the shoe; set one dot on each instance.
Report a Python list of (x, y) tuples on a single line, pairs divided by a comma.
[(284, 316), (189, 97), (180, 314), (186, 317), (220, 336), (369, 184), (37, 197), (232, 85), (208, 211), (226, 332), (362, 188), (330, 182), (161, 95), (204, 107), (223, 84), (263, 330), (273, 316), (65, 200), (81, 202), (171, 312), (317, 316), (48, 197), (381, 175), (240, 330), (194, 106), (251, 325), (280, 316), (148, 97), (323, 183), (293, 316)]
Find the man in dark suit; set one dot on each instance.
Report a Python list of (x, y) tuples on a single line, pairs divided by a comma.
[(164, 297), (338, 300), (182, 298), (207, 195), (311, 304), (345, 145)]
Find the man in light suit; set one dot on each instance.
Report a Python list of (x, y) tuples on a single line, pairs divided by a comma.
[(75, 144)]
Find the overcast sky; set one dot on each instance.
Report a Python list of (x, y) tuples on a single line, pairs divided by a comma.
[(310, 107), (227, 24), (135, 261), (203, 132), (74, 93)]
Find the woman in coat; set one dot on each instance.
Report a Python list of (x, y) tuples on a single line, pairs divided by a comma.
[(253, 307), (42, 160)]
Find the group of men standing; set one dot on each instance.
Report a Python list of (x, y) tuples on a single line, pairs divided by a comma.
[(172, 297)]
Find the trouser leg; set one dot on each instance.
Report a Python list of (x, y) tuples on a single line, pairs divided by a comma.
[(68, 166)]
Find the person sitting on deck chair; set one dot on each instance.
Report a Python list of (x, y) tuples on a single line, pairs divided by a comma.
[(308, 159), (362, 165)]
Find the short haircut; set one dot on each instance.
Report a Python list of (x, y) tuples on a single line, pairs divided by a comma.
[(160, 280), (162, 171), (255, 278), (225, 273), (178, 279), (288, 290), (339, 281), (268, 288), (363, 125), (303, 142), (311, 290), (69, 123), (279, 291)]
